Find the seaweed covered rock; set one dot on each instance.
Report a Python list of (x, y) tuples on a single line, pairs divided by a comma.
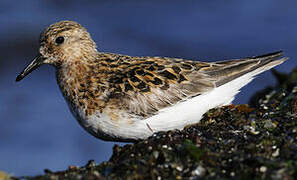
[(237, 142)]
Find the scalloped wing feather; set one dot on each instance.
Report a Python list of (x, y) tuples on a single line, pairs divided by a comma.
[(149, 84)]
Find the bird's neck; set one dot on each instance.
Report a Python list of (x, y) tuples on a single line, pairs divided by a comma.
[(79, 55)]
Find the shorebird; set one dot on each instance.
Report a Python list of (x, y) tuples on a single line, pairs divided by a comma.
[(123, 98)]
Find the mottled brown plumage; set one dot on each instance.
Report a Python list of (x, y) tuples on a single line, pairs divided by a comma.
[(128, 89)]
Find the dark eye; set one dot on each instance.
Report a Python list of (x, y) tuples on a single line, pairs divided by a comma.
[(59, 40)]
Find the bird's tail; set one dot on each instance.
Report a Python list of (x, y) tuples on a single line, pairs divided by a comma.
[(226, 71)]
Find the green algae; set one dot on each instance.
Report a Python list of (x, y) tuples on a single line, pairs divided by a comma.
[(194, 151), (237, 142)]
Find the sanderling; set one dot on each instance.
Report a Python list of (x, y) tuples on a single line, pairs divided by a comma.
[(123, 98)]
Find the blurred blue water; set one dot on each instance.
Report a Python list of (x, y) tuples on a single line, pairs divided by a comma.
[(37, 130)]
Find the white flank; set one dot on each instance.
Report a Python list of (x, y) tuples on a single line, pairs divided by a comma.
[(174, 117)]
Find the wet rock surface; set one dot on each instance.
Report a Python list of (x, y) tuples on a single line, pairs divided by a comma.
[(239, 142)]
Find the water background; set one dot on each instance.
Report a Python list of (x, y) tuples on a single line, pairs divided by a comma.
[(37, 130)]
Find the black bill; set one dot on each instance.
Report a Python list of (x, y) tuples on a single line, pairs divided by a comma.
[(37, 61)]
